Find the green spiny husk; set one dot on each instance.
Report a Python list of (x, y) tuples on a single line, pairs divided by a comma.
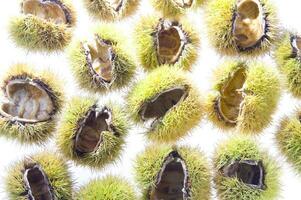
[(112, 141)]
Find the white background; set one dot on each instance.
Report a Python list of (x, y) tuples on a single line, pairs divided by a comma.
[(205, 136)]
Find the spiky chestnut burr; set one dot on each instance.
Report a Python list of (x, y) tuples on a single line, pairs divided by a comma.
[(31, 101)]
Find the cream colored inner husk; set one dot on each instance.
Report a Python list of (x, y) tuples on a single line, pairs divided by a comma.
[(47, 10), (102, 58), (231, 97), (27, 101), (249, 23)]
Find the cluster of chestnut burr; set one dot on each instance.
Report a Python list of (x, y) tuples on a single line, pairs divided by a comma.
[(166, 103)]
